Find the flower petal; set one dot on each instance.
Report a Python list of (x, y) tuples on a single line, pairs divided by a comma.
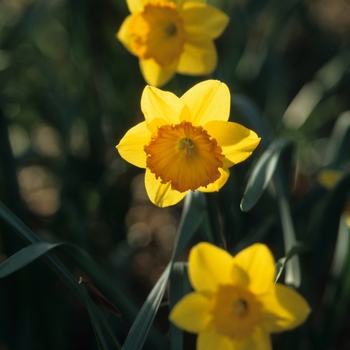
[(180, 3), (210, 341), (161, 105), (209, 266), (131, 145), (215, 186), (258, 262), (283, 309), (259, 339), (191, 313), (328, 177), (160, 194), (135, 6), (199, 56), (208, 100), (156, 74), (203, 19), (236, 141), (124, 33)]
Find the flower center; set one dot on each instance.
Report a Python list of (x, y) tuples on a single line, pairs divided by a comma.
[(184, 155), (158, 32), (239, 320)]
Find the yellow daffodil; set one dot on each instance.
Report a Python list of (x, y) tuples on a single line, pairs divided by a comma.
[(172, 36), (236, 304), (328, 178), (186, 143)]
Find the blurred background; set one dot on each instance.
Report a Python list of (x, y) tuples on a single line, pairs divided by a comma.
[(69, 91)]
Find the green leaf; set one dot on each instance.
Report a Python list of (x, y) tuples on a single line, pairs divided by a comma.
[(281, 263), (141, 326), (179, 287), (324, 233), (262, 173), (338, 150), (102, 345), (24, 257), (192, 215), (37, 249)]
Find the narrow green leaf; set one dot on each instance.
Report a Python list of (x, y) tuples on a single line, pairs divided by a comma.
[(140, 328), (192, 215), (42, 249), (262, 173), (179, 287), (338, 149), (298, 248), (324, 233), (24, 257), (292, 276), (91, 307), (336, 296)]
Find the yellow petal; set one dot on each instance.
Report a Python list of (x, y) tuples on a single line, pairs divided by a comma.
[(210, 341), (180, 3), (156, 74), (328, 177), (209, 266), (215, 186), (203, 19), (258, 262), (208, 100), (199, 56), (131, 145), (124, 34), (192, 313), (161, 105), (236, 141), (135, 6), (159, 194), (258, 340), (283, 309)]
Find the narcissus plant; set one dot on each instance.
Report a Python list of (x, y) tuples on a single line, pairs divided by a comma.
[(236, 304), (187, 143), (172, 36)]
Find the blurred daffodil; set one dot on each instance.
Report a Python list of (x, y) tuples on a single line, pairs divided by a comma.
[(172, 36), (186, 143), (328, 178), (236, 304)]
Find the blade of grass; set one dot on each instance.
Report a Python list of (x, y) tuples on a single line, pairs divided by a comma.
[(179, 287)]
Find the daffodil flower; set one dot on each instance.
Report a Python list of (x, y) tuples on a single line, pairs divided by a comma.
[(236, 304), (328, 178), (172, 36), (186, 144)]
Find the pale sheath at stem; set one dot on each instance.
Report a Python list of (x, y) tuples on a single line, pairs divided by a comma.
[(172, 36), (186, 143), (236, 304)]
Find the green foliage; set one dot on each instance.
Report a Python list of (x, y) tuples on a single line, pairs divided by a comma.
[(69, 91)]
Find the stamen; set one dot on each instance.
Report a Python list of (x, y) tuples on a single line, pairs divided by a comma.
[(240, 307), (186, 145), (170, 30)]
